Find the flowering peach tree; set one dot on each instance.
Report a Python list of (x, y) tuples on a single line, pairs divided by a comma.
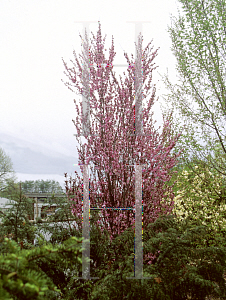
[(113, 147)]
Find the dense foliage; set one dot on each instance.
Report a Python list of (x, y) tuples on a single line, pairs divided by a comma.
[(200, 197), (178, 272), (179, 267), (24, 274)]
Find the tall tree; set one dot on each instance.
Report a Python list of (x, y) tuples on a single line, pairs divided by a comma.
[(112, 150), (198, 43)]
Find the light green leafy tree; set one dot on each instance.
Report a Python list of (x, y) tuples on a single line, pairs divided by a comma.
[(197, 104)]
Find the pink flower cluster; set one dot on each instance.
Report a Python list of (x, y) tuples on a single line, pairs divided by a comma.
[(113, 151)]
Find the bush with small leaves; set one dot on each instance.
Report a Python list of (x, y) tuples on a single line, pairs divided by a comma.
[(22, 272), (178, 272), (182, 269), (201, 200)]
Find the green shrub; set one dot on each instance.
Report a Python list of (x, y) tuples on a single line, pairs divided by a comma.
[(184, 269), (23, 274), (200, 199), (179, 269)]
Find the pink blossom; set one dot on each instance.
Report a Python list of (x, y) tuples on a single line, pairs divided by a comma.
[(112, 150)]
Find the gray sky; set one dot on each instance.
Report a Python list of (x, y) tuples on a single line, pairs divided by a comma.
[(34, 103)]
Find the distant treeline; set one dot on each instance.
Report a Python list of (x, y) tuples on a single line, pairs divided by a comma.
[(41, 186)]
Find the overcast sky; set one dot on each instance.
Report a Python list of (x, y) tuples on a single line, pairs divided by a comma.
[(34, 103)]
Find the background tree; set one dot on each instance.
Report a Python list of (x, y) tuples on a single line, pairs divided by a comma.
[(7, 174), (62, 225), (15, 221), (41, 186), (198, 102)]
